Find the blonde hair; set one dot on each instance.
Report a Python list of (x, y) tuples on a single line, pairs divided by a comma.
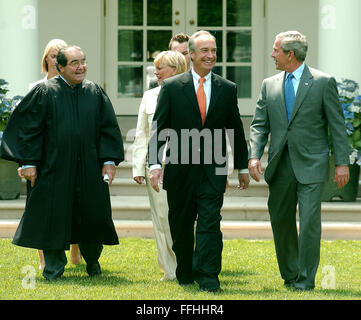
[(173, 59), (52, 44)]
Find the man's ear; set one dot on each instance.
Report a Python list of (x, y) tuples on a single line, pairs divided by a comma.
[(59, 68)]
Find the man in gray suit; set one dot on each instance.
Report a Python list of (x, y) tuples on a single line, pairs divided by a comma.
[(296, 107)]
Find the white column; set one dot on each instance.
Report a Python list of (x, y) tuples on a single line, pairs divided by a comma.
[(339, 45), (19, 63), (340, 39)]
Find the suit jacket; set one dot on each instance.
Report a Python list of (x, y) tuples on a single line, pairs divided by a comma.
[(316, 110), (177, 109)]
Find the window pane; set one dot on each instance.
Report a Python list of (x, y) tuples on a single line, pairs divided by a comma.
[(159, 13), (130, 81), (130, 45), (157, 41), (239, 13), (130, 13), (239, 46), (210, 13), (242, 77), (219, 43)]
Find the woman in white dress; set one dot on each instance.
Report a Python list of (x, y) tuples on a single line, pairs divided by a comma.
[(48, 67), (167, 64)]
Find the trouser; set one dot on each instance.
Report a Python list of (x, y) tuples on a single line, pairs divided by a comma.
[(298, 255), (202, 261), (159, 211), (55, 260)]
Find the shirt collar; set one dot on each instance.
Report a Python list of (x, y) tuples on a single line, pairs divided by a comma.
[(298, 72), (64, 80), (60, 76), (196, 76)]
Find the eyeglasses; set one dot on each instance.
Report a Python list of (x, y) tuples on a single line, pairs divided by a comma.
[(77, 63)]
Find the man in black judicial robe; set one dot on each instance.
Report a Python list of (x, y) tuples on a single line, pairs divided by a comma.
[(65, 135)]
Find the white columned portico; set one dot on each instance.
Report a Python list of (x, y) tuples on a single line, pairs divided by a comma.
[(19, 63), (339, 38)]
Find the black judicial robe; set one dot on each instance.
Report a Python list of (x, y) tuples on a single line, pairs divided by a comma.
[(68, 133)]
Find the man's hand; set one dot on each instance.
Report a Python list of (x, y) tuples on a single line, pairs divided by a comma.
[(109, 169), (20, 172), (139, 179), (243, 179), (342, 176), (29, 174), (255, 168), (155, 177)]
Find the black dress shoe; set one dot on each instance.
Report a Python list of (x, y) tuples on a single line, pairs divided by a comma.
[(289, 283), (93, 269), (302, 289), (185, 282), (211, 290)]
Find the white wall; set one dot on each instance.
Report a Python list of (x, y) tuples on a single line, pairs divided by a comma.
[(18, 44), (284, 15), (79, 22), (340, 38)]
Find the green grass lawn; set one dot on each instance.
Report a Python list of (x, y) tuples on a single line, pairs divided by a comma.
[(130, 272)]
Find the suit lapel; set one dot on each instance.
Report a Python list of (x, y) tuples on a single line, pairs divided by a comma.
[(215, 91), (305, 85), (280, 89), (189, 92)]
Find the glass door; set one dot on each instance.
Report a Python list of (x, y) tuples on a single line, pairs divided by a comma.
[(136, 30)]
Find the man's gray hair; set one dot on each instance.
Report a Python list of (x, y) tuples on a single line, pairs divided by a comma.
[(294, 41), (191, 42)]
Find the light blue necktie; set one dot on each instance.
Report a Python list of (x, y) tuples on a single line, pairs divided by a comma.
[(289, 95)]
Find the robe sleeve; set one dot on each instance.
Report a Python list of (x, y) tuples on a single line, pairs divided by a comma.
[(22, 139), (110, 142)]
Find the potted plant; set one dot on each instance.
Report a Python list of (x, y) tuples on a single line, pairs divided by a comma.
[(350, 100), (10, 183)]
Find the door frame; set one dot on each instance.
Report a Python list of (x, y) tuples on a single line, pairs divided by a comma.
[(184, 11)]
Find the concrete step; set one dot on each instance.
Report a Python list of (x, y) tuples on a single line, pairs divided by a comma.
[(128, 187), (234, 209), (231, 229)]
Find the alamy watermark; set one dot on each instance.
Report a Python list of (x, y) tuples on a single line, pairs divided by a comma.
[(29, 281), (191, 146), (329, 279)]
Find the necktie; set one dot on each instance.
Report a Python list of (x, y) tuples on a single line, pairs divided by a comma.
[(289, 95), (202, 100)]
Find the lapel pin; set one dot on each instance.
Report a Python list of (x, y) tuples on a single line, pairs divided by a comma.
[(306, 83)]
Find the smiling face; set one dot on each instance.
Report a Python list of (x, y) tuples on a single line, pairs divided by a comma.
[(204, 56), (75, 70)]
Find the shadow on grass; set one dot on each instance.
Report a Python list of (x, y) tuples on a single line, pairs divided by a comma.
[(77, 275)]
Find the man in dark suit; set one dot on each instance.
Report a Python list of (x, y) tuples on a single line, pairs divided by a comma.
[(195, 109), (296, 107)]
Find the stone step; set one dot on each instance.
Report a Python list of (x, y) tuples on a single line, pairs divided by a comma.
[(253, 230), (128, 187), (234, 209)]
